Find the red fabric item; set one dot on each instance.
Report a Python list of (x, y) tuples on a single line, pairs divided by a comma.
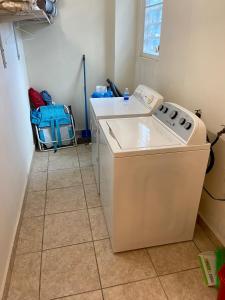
[(36, 98), (221, 295)]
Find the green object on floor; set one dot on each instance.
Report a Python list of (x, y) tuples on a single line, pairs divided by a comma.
[(208, 267), (220, 261)]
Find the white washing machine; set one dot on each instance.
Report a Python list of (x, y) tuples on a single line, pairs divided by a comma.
[(142, 103), (151, 177)]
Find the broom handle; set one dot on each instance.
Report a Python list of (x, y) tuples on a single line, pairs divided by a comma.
[(85, 93)]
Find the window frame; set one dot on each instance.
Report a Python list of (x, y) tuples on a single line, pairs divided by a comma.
[(142, 32)]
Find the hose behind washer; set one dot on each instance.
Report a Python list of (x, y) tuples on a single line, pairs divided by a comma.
[(211, 162)]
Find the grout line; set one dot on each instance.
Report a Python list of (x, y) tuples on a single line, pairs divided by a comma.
[(61, 212), (43, 231), (96, 290), (88, 184), (75, 166), (60, 247), (35, 191), (181, 271), (130, 282), (160, 282), (150, 258), (199, 251), (66, 169), (27, 253), (83, 293), (94, 207), (65, 187), (147, 278), (66, 212), (65, 246), (38, 171), (109, 287), (32, 217), (29, 192), (170, 273), (197, 246), (99, 277)]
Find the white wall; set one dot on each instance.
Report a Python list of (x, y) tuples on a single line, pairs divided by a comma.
[(110, 34), (16, 145), (54, 53), (125, 43), (191, 72)]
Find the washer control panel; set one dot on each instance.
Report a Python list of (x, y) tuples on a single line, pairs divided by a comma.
[(148, 96), (178, 120)]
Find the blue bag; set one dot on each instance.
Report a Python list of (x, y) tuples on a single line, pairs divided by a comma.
[(46, 97)]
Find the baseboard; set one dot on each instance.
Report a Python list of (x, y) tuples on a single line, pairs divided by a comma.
[(214, 237), (11, 258)]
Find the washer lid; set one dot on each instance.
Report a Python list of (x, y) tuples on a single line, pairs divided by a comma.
[(142, 132), (116, 107)]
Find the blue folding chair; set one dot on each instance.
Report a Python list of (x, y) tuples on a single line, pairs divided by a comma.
[(54, 126)]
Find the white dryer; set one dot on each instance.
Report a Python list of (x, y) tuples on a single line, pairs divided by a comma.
[(142, 103), (151, 177)]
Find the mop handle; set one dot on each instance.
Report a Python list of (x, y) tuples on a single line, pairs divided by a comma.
[(85, 93)]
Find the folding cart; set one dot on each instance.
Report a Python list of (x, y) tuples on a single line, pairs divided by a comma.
[(54, 127)]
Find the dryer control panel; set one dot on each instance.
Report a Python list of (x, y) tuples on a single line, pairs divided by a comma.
[(182, 122), (150, 98)]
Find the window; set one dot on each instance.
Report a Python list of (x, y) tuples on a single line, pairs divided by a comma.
[(152, 27)]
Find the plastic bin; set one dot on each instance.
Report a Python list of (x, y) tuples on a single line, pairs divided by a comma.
[(221, 295)]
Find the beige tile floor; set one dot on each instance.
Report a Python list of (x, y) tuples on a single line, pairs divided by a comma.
[(64, 252)]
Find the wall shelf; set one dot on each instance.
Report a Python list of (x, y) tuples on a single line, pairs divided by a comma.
[(38, 16)]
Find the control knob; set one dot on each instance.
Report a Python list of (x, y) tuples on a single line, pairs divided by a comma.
[(187, 126), (161, 107), (182, 121), (165, 110), (174, 114)]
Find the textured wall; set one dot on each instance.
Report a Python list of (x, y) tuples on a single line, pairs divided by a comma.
[(16, 145)]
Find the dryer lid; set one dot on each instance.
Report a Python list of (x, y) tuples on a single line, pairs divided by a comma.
[(116, 107), (143, 102), (141, 133)]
